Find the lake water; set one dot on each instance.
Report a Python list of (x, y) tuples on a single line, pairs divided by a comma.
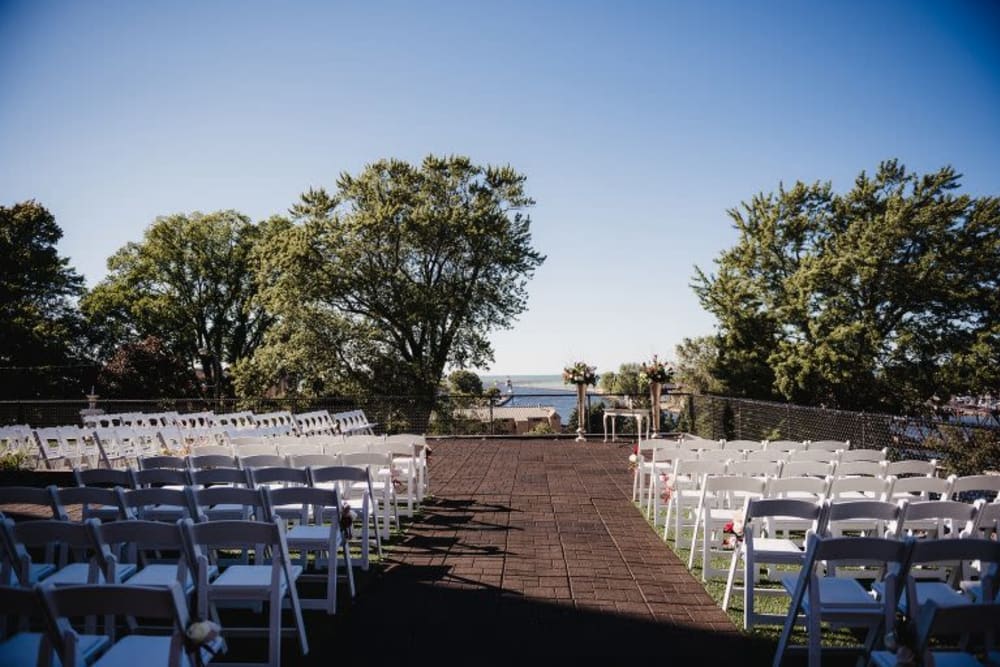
[(537, 390)]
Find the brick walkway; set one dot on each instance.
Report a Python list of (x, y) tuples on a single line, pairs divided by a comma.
[(534, 548)]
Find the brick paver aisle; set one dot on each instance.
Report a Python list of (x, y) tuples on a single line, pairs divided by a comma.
[(534, 548)]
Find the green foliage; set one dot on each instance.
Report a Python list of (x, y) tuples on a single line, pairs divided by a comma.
[(39, 323), (877, 299), (15, 460), (145, 369), (542, 428), (191, 282), (968, 451), (594, 419), (465, 382), (697, 360), (403, 270), (628, 381)]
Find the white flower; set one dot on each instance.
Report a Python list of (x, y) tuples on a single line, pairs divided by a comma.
[(633, 458), (202, 632)]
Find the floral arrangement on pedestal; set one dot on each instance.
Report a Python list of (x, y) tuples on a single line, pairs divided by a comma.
[(657, 373), (580, 373)]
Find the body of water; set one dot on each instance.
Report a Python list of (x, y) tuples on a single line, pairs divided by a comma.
[(537, 390)]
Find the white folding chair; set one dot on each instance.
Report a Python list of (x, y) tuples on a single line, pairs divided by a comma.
[(853, 455), (859, 488), (762, 546), (723, 502), (828, 445), (962, 488), (357, 496), (784, 445), (271, 578), (18, 646), (311, 535), (760, 469), (860, 469), (839, 600), (684, 492), (807, 469), (919, 488), (900, 469), (744, 446)]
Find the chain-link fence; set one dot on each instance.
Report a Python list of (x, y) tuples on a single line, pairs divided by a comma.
[(965, 444)]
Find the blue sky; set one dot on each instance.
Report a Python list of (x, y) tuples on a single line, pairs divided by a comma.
[(637, 124)]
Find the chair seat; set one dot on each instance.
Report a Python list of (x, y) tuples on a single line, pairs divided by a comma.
[(162, 574), (255, 577), (146, 650), (766, 548), (227, 511), (22, 648), (79, 573), (36, 572), (836, 593)]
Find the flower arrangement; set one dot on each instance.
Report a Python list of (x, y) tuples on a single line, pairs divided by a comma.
[(634, 458), (580, 373), (667, 484), (657, 371), (733, 532), (347, 519)]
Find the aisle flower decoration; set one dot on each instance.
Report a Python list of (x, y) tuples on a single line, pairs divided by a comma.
[(667, 484), (733, 532), (633, 459), (580, 373), (657, 371)]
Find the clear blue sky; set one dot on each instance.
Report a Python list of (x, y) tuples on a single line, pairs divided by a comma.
[(637, 124)]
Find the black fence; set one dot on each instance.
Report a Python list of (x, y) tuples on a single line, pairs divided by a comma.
[(965, 444)]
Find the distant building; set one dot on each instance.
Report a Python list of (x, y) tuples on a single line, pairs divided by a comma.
[(514, 420)]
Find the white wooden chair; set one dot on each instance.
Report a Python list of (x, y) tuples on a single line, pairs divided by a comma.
[(762, 546), (860, 469), (20, 647), (839, 600), (67, 547), (723, 501), (744, 446), (760, 469), (418, 459), (934, 621), (824, 455), (828, 445), (919, 488), (975, 485), (161, 602), (784, 445), (807, 469), (271, 578), (685, 493), (901, 469), (379, 469), (876, 455), (859, 488), (357, 494), (312, 535)]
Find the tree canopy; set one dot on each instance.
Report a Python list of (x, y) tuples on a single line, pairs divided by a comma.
[(881, 298), (191, 284), (40, 328), (404, 269)]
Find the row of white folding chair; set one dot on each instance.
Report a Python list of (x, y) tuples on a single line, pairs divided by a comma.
[(761, 516), (272, 577), (353, 422), (687, 484), (724, 498), (316, 422)]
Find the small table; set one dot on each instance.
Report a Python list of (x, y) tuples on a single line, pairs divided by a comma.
[(638, 414)]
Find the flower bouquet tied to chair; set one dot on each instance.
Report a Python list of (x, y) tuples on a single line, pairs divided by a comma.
[(581, 375)]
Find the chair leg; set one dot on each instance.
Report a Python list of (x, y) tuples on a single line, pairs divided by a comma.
[(274, 630), (749, 581), (731, 578), (694, 539)]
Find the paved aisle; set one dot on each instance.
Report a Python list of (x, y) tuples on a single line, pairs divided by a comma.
[(535, 547)]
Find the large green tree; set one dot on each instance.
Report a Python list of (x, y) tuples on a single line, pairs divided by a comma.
[(191, 283), (402, 271), (40, 327), (881, 298)]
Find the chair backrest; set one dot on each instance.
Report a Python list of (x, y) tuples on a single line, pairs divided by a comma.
[(139, 541), (307, 460), (85, 496), (161, 477), (701, 444), (983, 486), (860, 469), (152, 462), (365, 459), (162, 602), (307, 497), (203, 461), (959, 516), (744, 445), (912, 467), (829, 445), (319, 475), (851, 455), (876, 511), (253, 445), (48, 533), (733, 486), (220, 476), (210, 450), (107, 477), (263, 461), (876, 488), (785, 445), (767, 455), (698, 468), (143, 502), (718, 455), (279, 474), (300, 449), (988, 521), (755, 468), (807, 469), (236, 420), (250, 499), (20, 601), (761, 509), (40, 499), (784, 487), (824, 455), (919, 488)]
